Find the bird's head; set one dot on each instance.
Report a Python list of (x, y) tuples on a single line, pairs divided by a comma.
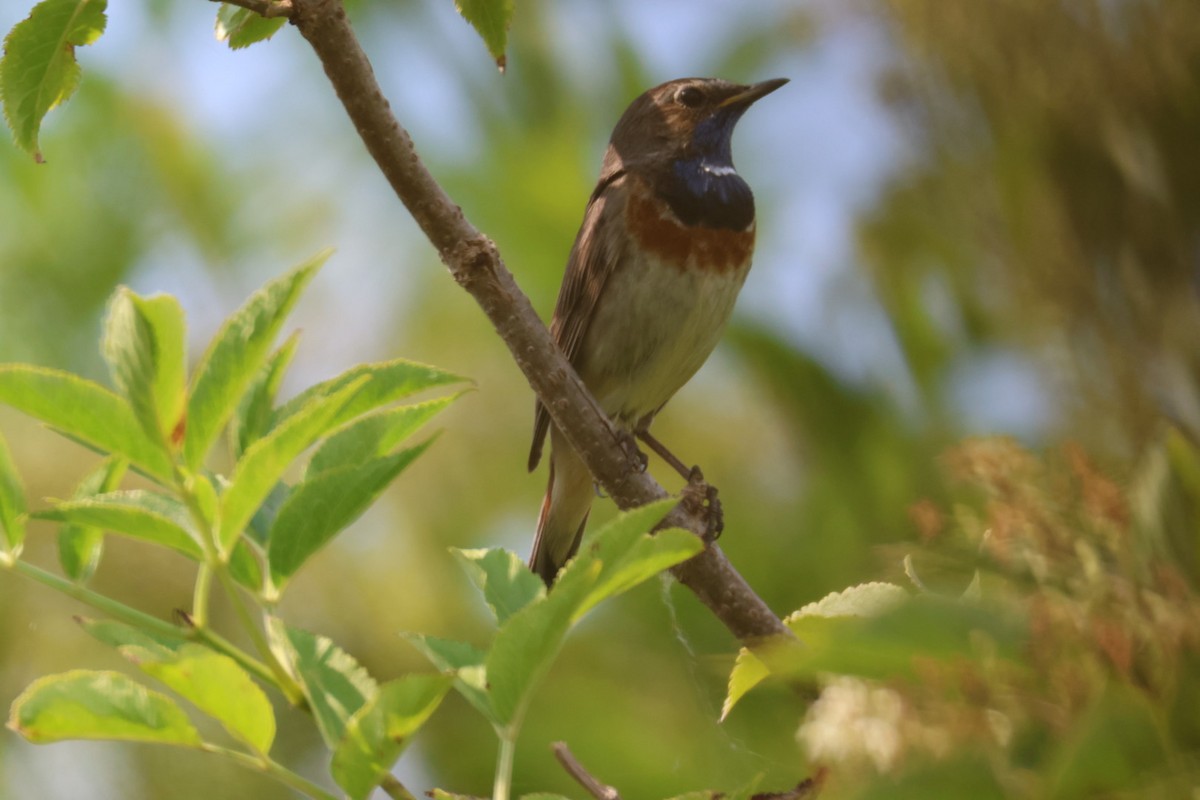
[(690, 118)]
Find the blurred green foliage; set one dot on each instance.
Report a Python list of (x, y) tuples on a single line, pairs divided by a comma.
[(1048, 205)]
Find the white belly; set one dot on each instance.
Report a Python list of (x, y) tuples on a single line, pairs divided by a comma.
[(654, 328)]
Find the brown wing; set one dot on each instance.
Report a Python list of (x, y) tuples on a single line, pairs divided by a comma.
[(592, 259)]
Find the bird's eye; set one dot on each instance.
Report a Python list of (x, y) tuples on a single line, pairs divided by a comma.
[(690, 96)]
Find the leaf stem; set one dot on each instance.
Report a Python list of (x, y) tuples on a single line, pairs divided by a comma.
[(504, 764), (201, 595), (395, 789), (276, 770), (281, 677)]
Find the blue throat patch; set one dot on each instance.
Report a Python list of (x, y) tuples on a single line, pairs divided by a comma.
[(704, 189)]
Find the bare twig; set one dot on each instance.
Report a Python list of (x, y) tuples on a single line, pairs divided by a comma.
[(595, 788), (265, 8), (474, 262)]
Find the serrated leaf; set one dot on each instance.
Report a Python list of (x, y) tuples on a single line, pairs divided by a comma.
[(863, 600), (169, 328), (506, 583), (333, 682), (83, 704), (319, 508), (375, 434), (137, 513), (648, 556), (465, 661), (389, 381), (38, 70), (379, 731), (215, 684), (80, 546), (253, 416), (236, 355), (491, 19), (129, 347), (748, 671), (84, 410), (526, 645), (12, 502), (240, 27), (266, 461)]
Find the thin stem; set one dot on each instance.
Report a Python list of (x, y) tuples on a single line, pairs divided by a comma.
[(276, 770), (113, 608), (395, 789), (201, 595), (281, 676), (504, 765), (244, 659)]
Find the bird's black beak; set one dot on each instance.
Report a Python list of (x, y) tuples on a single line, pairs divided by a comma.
[(748, 95)]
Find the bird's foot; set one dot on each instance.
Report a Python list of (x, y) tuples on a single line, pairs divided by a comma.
[(637, 459), (707, 503)]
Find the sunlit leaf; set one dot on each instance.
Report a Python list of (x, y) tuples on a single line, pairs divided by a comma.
[(241, 27), (216, 685), (319, 508), (334, 684), (265, 462), (491, 19), (38, 70), (169, 328), (137, 513), (79, 546), (236, 355), (380, 730), (12, 501), (98, 705), (465, 661), (254, 412), (389, 381), (374, 434), (84, 410), (748, 671), (507, 584)]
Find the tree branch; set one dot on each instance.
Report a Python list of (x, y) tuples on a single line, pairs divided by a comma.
[(476, 265)]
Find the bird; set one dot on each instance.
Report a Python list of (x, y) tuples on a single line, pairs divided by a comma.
[(650, 283)]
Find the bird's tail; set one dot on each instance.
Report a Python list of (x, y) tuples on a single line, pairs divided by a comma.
[(564, 510)]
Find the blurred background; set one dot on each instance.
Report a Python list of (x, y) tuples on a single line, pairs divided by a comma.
[(973, 218)]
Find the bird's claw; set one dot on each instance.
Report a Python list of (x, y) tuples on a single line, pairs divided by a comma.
[(639, 460), (709, 506)]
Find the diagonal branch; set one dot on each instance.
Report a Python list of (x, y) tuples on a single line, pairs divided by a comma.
[(476, 265)]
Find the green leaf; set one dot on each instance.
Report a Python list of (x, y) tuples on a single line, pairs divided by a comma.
[(526, 645), (38, 70), (137, 513), (265, 462), (649, 555), (333, 682), (216, 685), (379, 731), (465, 661), (253, 416), (12, 502), (506, 583), (604, 555), (748, 671), (374, 435), (165, 317), (131, 348), (236, 355), (80, 546), (83, 704), (320, 507), (491, 19), (241, 27), (863, 600), (83, 410), (389, 381), (118, 634)]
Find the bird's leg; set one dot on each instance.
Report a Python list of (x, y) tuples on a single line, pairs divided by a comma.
[(667, 455), (696, 483)]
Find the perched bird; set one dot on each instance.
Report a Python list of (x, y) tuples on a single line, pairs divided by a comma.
[(664, 248)]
